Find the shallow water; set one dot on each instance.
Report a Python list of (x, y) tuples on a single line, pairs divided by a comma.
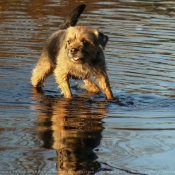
[(43, 133)]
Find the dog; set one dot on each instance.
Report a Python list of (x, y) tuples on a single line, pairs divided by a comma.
[(74, 52)]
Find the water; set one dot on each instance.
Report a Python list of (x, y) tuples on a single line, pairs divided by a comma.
[(43, 133)]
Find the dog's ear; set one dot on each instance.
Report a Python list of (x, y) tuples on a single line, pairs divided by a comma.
[(102, 38)]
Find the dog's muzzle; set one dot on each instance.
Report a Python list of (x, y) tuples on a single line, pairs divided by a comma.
[(76, 54)]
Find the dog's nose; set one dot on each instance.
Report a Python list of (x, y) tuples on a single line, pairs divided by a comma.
[(74, 50)]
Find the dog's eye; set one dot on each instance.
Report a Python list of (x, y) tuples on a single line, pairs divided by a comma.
[(84, 41), (69, 41)]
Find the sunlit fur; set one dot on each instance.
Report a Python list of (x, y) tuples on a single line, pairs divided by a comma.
[(87, 61), (73, 52)]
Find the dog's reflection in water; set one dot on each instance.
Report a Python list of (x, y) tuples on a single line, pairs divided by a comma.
[(73, 128)]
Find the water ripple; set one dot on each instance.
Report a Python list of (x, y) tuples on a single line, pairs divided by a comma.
[(132, 134)]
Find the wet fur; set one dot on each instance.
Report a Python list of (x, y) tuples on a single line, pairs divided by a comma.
[(57, 57)]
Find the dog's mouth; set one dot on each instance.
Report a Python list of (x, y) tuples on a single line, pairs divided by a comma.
[(76, 58)]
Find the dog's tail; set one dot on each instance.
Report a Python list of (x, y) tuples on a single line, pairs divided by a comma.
[(73, 16)]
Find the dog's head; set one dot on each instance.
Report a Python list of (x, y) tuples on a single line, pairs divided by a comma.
[(83, 43)]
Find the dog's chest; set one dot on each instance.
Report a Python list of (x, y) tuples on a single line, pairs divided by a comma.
[(81, 72)]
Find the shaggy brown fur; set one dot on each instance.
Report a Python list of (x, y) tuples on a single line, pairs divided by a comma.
[(75, 52)]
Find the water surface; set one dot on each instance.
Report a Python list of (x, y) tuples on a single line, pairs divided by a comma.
[(43, 133)]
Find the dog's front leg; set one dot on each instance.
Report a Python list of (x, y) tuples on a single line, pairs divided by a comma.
[(63, 80), (103, 81)]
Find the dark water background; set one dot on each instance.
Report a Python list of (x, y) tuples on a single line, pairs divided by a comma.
[(43, 133)]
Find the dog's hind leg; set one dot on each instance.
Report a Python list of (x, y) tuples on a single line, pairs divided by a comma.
[(90, 86), (43, 69)]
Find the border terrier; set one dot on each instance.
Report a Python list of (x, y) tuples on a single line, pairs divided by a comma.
[(74, 52)]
